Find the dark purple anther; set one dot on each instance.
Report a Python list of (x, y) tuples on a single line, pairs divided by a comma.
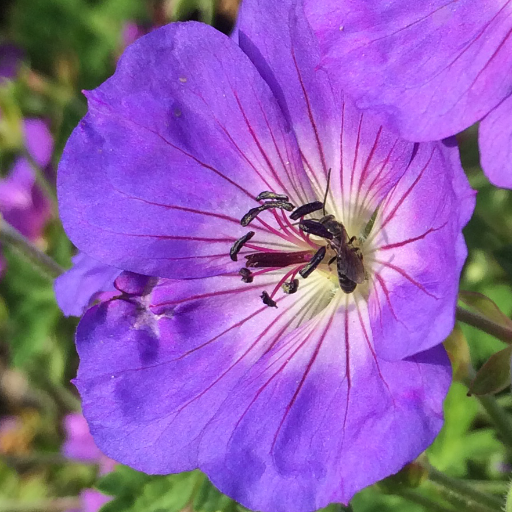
[(237, 246), (267, 300), (271, 195), (315, 227), (254, 212), (314, 262), (306, 209)]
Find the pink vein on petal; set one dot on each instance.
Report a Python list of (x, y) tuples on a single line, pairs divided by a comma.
[(403, 273), (404, 196), (310, 113)]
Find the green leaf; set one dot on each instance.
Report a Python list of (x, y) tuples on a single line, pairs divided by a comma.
[(137, 492), (494, 375), (209, 499), (486, 307)]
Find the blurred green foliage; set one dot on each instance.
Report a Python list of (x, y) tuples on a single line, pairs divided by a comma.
[(72, 45)]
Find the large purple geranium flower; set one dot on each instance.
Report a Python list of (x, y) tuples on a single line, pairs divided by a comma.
[(288, 407), (431, 69)]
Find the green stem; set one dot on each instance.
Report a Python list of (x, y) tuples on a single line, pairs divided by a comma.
[(484, 324), (50, 505), (500, 487), (426, 502), (499, 417), (24, 247), (463, 493)]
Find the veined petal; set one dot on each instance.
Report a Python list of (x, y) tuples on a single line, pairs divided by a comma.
[(290, 401), (418, 253), (80, 285), (185, 134), (430, 68), (196, 336), (495, 142), (365, 159)]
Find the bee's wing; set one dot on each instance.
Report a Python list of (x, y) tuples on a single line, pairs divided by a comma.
[(350, 264)]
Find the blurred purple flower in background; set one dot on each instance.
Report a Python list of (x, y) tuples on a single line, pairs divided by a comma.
[(79, 445), (131, 32), (22, 202), (289, 407), (10, 60), (430, 69)]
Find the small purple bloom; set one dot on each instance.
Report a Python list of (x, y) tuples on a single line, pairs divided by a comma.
[(131, 32), (79, 445), (88, 280), (22, 202), (431, 69), (289, 407), (10, 60)]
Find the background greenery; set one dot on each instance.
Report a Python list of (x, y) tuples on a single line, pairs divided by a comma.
[(72, 45)]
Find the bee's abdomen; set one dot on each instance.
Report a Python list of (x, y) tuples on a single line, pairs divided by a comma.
[(346, 284)]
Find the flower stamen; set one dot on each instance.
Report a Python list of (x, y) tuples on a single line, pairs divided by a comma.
[(343, 249), (237, 246), (313, 262), (254, 212)]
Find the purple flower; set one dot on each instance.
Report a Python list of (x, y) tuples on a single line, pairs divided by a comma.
[(430, 69), (289, 407), (88, 280), (131, 32), (79, 445), (10, 60), (22, 202)]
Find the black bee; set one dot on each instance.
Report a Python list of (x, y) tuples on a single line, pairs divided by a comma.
[(349, 258)]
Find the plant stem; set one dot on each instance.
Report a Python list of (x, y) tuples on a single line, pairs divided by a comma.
[(498, 415), (500, 418), (49, 505), (12, 237), (426, 502), (484, 324), (463, 493)]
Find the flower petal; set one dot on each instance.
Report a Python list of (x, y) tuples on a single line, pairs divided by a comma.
[(10, 60), (419, 253), (495, 141), (277, 412), (185, 135), (79, 286), (430, 68), (203, 329), (365, 159), (38, 140), (79, 444), (22, 203)]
